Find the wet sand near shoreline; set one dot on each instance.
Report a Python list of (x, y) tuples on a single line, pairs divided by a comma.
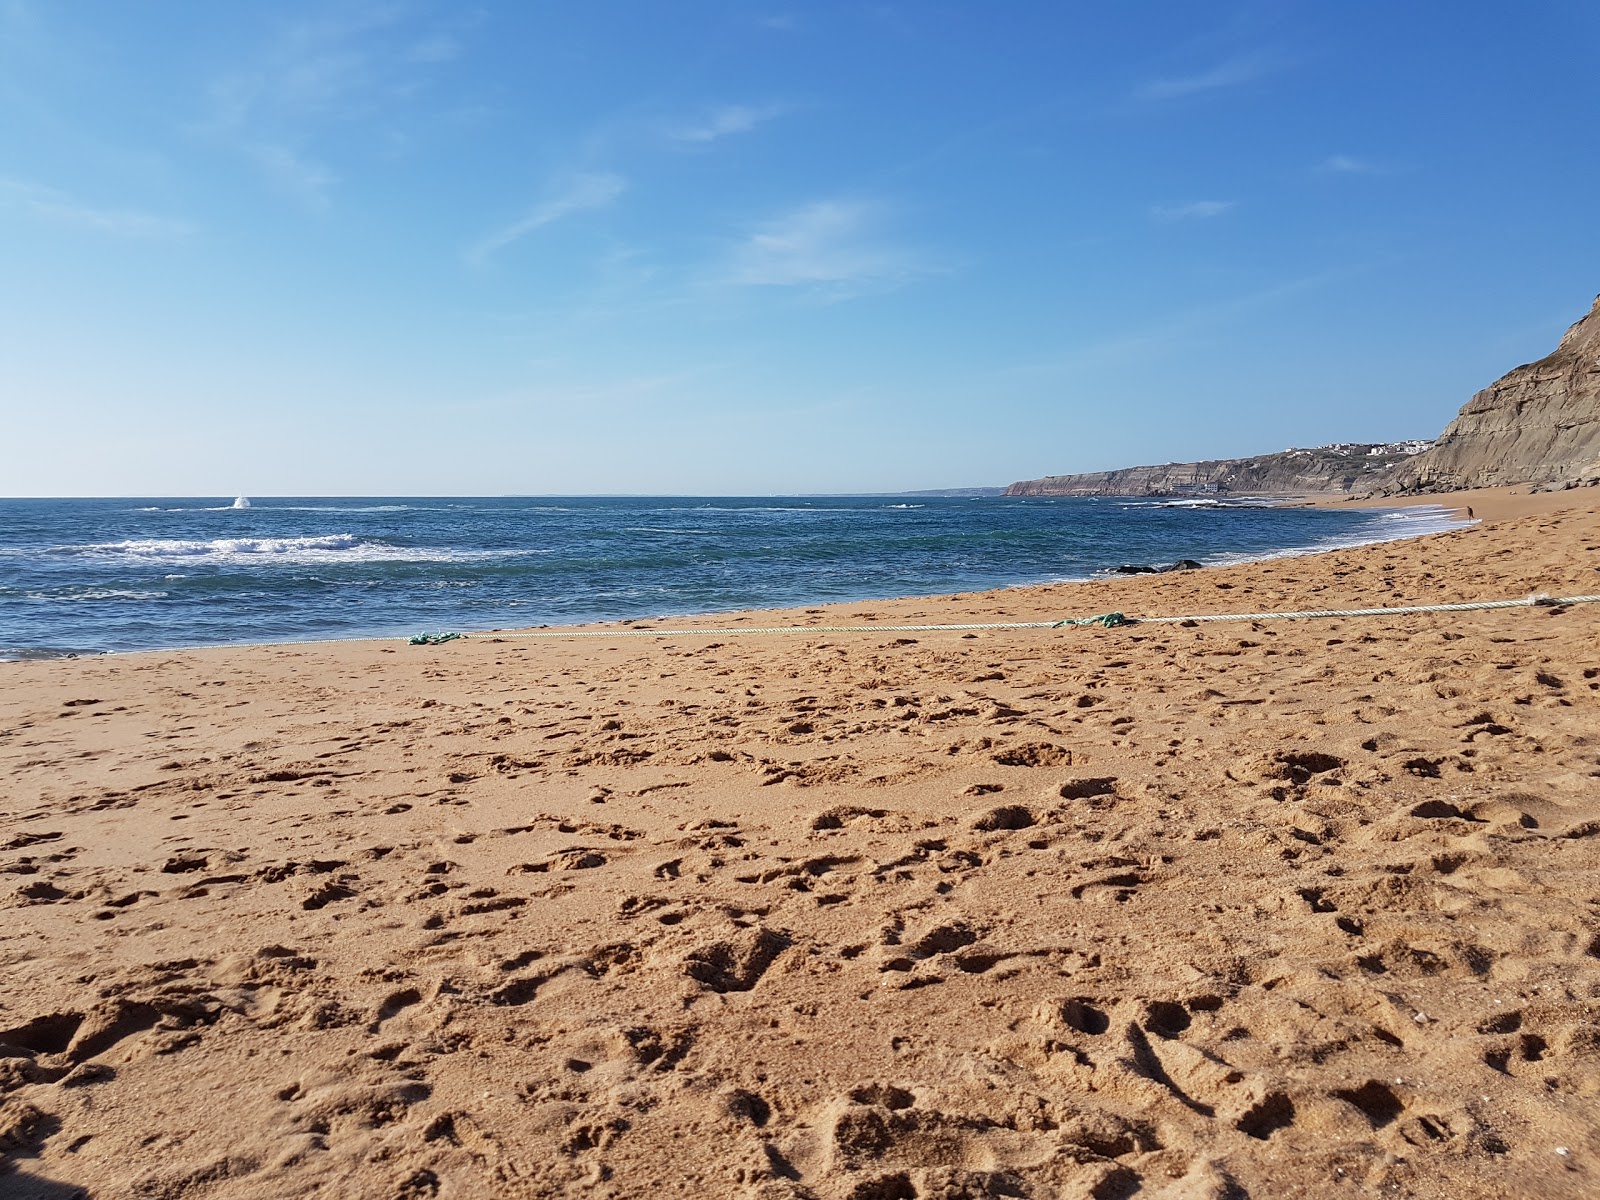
[(1484, 504), (1302, 908)]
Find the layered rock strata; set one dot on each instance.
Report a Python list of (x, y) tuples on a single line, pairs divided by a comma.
[(1539, 424), (1345, 467)]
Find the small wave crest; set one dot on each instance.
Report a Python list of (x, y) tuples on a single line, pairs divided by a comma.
[(311, 550), (1385, 525), (1241, 502), (42, 653), (346, 508), (81, 595), (186, 547)]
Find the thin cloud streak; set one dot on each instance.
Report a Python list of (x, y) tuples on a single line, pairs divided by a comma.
[(724, 121), (584, 192), (823, 245), (302, 179), (440, 48), (1234, 72), (57, 207), (314, 74), (1199, 210), (1173, 332), (1344, 164)]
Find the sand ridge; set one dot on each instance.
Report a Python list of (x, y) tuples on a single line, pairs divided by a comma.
[(1280, 909)]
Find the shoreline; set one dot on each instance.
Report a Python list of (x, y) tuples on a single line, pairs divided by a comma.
[(1486, 504), (747, 613), (1265, 907)]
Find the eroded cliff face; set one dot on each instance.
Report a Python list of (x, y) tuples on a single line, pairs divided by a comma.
[(1538, 424), (1347, 467)]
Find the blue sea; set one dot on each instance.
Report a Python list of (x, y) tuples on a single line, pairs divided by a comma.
[(83, 576)]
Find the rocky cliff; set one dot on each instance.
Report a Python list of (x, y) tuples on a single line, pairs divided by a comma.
[(1538, 424), (1345, 467)]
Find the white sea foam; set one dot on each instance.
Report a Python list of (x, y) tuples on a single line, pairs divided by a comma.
[(347, 508), (1387, 525), (813, 509), (71, 596), (297, 551), (1242, 502), (185, 547), (278, 508), (1193, 502)]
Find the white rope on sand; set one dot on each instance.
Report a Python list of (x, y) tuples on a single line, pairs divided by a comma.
[(1107, 620), (1535, 601)]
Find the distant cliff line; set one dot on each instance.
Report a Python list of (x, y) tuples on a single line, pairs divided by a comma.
[(1538, 424), (1342, 467)]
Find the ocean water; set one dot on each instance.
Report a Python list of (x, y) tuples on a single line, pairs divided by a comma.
[(79, 576)]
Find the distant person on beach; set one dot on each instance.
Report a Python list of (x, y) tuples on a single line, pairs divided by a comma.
[(1469, 512)]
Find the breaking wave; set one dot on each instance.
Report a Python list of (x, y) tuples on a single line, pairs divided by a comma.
[(300, 551), (76, 595), (1385, 525)]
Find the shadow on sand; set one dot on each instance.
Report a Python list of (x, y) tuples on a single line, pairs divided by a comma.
[(17, 1184)]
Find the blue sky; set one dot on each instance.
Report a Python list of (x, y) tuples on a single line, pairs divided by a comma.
[(737, 247)]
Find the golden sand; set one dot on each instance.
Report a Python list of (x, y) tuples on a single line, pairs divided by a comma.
[(1482, 504), (1280, 909)]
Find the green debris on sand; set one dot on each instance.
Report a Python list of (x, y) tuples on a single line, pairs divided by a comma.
[(432, 639), (1110, 620)]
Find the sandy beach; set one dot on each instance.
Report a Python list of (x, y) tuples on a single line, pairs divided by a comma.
[(1266, 909), (1480, 504)]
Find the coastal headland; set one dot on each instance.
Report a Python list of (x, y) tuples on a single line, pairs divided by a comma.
[(1251, 909), (1537, 424)]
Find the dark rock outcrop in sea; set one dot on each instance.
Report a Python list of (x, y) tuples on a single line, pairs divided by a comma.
[(1539, 424)]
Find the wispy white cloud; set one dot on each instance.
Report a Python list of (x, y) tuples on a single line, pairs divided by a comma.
[(292, 173), (1230, 73), (579, 194), (48, 204), (726, 120), (359, 66), (1176, 332), (436, 49), (1344, 164), (1197, 210), (830, 245)]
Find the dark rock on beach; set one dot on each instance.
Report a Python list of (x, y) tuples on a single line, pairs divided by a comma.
[(1183, 564)]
